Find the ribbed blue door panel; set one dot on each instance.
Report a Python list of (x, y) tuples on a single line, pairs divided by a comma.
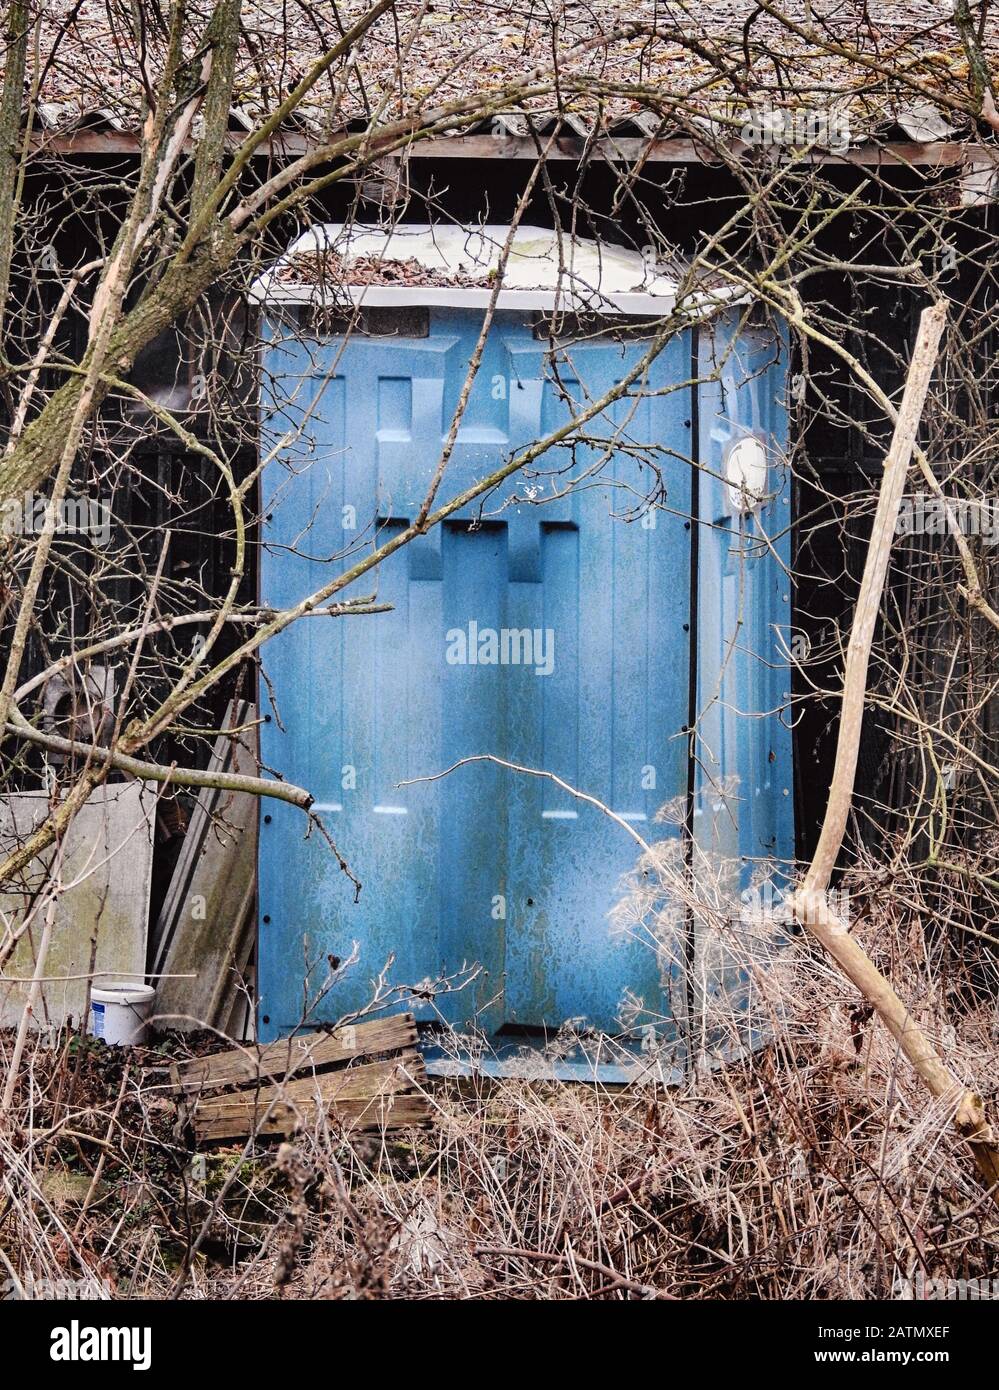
[(485, 865), (743, 804)]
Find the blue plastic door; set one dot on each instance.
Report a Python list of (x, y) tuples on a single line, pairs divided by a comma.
[(550, 629)]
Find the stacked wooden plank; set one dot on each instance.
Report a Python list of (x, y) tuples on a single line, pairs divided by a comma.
[(204, 938), (362, 1077)]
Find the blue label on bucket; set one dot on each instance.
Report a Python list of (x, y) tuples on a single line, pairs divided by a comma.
[(97, 1013)]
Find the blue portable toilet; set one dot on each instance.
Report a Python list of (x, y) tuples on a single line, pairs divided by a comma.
[(559, 624)]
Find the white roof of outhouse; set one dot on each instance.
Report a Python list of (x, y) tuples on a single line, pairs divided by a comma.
[(545, 269)]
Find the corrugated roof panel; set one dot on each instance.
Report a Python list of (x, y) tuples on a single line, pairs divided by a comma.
[(459, 47)]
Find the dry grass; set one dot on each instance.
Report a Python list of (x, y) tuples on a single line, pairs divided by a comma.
[(814, 1167)]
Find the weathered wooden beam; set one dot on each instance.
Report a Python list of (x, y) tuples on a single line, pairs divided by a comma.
[(201, 925), (625, 149), (374, 1096), (287, 1057)]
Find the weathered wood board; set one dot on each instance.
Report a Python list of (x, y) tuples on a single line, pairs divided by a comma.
[(101, 918), (295, 1081), (202, 930), (236, 1014), (170, 911), (287, 1057), (374, 1095)]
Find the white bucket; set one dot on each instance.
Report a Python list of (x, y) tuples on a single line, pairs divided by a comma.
[(118, 1012)]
